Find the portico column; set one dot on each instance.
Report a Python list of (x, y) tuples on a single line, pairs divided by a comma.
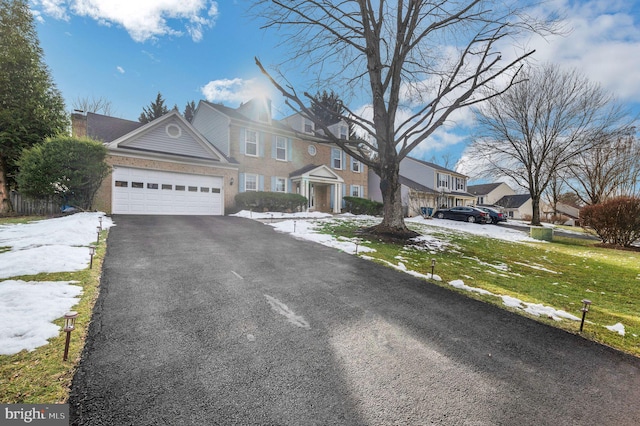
[(337, 197)]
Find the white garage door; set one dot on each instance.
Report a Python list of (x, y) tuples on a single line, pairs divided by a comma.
[(138, 191)]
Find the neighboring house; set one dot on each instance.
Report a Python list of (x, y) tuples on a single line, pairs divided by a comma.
[(571, 213), (516, 206), (489, 193), (163, 167), (426, 186), (282, 155)]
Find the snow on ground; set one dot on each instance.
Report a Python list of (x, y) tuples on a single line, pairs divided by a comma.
[(27, 309)]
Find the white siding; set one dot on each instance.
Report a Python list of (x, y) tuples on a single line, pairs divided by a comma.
[(214, 126)]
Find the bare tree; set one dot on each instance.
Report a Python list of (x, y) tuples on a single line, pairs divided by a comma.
[(96, 105), (538, 128), (610, 169), (413, 62)]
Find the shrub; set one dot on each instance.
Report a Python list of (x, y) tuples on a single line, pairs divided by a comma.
[(65, 169), (358, 205), (270, 201), (616, 221)]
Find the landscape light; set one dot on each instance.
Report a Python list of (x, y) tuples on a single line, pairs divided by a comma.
[(100, 218), (92, 251), (585, 309), (69, 326), (98, 238), (433, 266)]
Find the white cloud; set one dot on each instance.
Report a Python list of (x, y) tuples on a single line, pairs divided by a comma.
[(235, 91), (120, 69), (603, 43), (143, 19)]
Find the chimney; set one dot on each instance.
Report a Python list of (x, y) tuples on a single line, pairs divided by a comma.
[(78, 124)]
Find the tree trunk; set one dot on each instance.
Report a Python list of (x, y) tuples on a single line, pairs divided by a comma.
[(392, 224), (5, 199), (535, 206)]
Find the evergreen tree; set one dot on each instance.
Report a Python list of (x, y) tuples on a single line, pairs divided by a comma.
[(327, 107), (31, 107), (155, 110), (189, 110)]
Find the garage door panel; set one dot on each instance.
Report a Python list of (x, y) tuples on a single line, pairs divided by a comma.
[(137, 191)]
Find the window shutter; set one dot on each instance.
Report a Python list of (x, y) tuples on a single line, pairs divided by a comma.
[(274, 144), (260, 183), (289, 149), (273, 183), (261, 144), (240, 182), (344, 161), (289, 185), (242, 136)]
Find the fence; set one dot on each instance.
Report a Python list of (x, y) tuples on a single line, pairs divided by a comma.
[(30, 207)]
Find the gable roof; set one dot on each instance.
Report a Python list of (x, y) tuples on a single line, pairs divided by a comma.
[(106, 129), (416, 186), (482, 189), (170, 135), (435, 166), (314, 172), (513, 201)]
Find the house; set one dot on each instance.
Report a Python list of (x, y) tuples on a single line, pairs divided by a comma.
[(282, 155), (166, 167), (570, 214), (516, 206), (425, 187), (489, 193), (171, 166)]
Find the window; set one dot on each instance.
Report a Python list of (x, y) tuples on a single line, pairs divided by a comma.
[(204, 189), (122, 183), (336, 158), (280, 185), (355, 191), (179, 187), (344, 132), (193, 189), (312, 150), (459, 184), (152, 186), (281, 148), (443, 180), (137, 185), (308, 126), (167, 186), (250, 182), (215, 190), (251, 143), (355, 165)]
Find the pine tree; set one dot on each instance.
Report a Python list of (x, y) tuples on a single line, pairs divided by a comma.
[(31, 107), (155, 110), (189, 110)]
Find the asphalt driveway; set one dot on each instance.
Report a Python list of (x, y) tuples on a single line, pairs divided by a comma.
[(222, 321)]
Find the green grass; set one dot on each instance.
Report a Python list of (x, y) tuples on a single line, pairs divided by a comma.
[(40, 376), (559, 274)]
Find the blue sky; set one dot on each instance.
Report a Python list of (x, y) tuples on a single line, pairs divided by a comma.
[(126, 51)]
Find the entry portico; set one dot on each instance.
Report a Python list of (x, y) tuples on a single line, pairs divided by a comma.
[(321, 186)]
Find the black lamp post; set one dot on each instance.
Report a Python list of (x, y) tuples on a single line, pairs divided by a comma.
[(98, 238), (69, 326), (433, 266), (585, 309), (100, 218), (92, 251)]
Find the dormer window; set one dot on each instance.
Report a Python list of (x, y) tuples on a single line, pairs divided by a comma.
[(308, 126), (263, 116), (344, 132)]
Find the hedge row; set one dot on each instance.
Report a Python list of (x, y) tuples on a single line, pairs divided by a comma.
[(270, 201), (358, 205)]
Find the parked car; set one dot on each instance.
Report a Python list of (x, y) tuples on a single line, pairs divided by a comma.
[(468, 214), (495, 216)]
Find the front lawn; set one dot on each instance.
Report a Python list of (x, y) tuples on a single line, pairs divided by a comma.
[(558, 275)]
